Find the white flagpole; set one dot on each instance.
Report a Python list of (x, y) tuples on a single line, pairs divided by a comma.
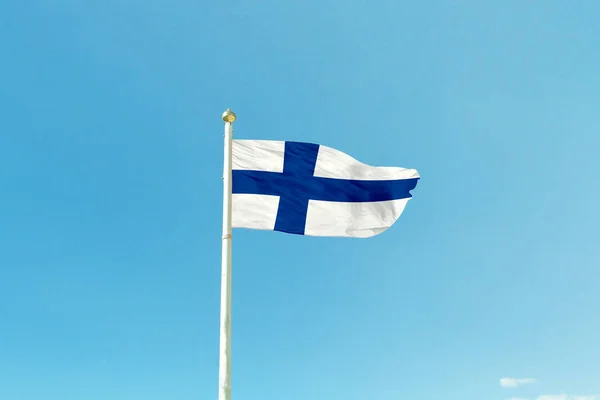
[(225, 339)]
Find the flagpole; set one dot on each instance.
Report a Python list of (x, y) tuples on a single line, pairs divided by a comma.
[(225, 325)]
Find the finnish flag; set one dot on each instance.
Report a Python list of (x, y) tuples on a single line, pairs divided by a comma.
[(309, 189)]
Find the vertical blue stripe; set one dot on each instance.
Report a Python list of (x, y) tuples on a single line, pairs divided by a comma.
[(299, 162)]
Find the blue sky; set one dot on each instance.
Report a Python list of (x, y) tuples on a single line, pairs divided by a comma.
[(110, 202)]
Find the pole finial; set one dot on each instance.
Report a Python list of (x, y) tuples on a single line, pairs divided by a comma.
[(228, 116)]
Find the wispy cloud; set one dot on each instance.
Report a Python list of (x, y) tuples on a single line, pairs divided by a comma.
[(560, 397), (510, 383), (567, 397)]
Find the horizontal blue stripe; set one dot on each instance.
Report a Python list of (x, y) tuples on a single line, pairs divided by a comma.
[(324, 189)]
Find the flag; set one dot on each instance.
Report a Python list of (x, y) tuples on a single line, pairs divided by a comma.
[(310, 189)]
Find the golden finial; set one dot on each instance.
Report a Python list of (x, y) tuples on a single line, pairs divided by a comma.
[(228, 116)]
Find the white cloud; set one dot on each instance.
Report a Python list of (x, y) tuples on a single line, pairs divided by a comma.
[(560, 397), (567, 397), (510, 383)]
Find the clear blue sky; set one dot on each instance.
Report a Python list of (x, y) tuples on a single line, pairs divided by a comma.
[(110, 199)]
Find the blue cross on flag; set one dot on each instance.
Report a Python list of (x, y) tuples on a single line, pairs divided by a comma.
[(309, 189)]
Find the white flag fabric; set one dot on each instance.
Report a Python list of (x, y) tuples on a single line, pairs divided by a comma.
[(309, 189)]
